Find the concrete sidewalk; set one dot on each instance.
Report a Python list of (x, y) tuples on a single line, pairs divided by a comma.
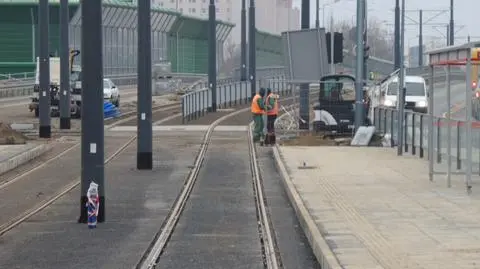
[(12, 156), (368, 208)]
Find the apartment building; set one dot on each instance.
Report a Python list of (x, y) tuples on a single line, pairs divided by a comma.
[(199, 8)]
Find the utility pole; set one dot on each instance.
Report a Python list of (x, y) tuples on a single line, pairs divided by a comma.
[(421, 23), (401, 86), (92, 107), (332, 44), (64, 67), (317, 14), (252, 30), (397, 35), (243, 42), (452, 25), (212, 54), (359, 114), (45, 129), (144, 92), (420, 37), (366, 48), (304, 96)]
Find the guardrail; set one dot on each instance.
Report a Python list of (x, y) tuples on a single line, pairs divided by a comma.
[(449, 136), (197, 103), (26, 88)]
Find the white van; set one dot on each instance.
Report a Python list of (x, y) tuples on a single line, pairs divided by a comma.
[(416, 97)]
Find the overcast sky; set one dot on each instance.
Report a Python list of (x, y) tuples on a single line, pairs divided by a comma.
[(465, 13)]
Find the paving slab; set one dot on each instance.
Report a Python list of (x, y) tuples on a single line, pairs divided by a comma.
[(368, 208), (12, 156), (137, 203)]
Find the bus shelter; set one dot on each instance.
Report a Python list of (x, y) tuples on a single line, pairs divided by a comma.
[(467, 55)]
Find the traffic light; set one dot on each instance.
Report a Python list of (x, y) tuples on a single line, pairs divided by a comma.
[(337, 47)]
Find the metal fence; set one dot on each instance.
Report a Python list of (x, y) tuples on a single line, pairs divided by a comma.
[(198, 102), (449, 136)]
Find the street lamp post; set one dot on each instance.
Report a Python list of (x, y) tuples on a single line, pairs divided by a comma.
[(401, 86)]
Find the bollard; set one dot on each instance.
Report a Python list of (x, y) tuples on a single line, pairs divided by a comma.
[(414, 148), (93, 204), (459, 160), (236, 91), (439, 144), (183, 109), (421, 136), (384, 121), (392, 142), (405, 131)]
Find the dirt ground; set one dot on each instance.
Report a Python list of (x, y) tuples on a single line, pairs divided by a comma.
[(9, 136)]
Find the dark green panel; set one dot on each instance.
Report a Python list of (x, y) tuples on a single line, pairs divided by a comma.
[(19, 35)]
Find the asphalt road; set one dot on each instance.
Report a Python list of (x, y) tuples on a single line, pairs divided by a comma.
[(15, 110)]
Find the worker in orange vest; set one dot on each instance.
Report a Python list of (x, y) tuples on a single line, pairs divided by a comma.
[(258, 110), (271, 104)]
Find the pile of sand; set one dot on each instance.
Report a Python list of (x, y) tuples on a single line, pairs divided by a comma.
[(8, 136)]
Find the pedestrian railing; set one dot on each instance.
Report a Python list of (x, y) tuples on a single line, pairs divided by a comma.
[(448, 141), (198, 102)]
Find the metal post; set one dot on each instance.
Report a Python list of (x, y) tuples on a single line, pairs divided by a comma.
[(449, 131), (45, 130), (365, 39), (359, 115), (92, 106), (420, 38), (144, 92), (212, 54), (332, 43), (448, 34), (430, 124), (243, 42), (252, 30), (468, 136), (64, 67), (397, 35), (317, 15), (452, 25), (401, 85), (304, 95)]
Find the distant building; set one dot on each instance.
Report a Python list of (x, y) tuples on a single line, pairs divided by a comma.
[(414, 56), (272, 16)]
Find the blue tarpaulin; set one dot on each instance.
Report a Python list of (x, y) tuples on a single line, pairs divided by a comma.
[(109, 110)]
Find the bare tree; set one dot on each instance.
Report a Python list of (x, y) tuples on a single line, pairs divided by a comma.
[(230, 54), (380, 41)]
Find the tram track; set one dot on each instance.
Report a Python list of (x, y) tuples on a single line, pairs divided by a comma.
[(153, 254), (17, 178), (158, 110), (265, 234)]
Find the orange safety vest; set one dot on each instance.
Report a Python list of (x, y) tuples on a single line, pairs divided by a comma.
[(274, 110), (255, 107)]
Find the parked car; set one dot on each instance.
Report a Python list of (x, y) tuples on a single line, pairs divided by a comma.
[(111, 92)]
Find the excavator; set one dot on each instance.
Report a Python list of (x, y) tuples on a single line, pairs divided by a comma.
[(75, 86)]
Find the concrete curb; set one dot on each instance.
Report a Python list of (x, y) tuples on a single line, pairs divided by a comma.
[(23, 157), (320, 248)]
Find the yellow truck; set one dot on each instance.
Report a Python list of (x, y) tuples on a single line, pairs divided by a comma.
[(474, 82)]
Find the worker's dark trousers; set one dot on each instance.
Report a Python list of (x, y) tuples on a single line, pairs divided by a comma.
[(270, 138)]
